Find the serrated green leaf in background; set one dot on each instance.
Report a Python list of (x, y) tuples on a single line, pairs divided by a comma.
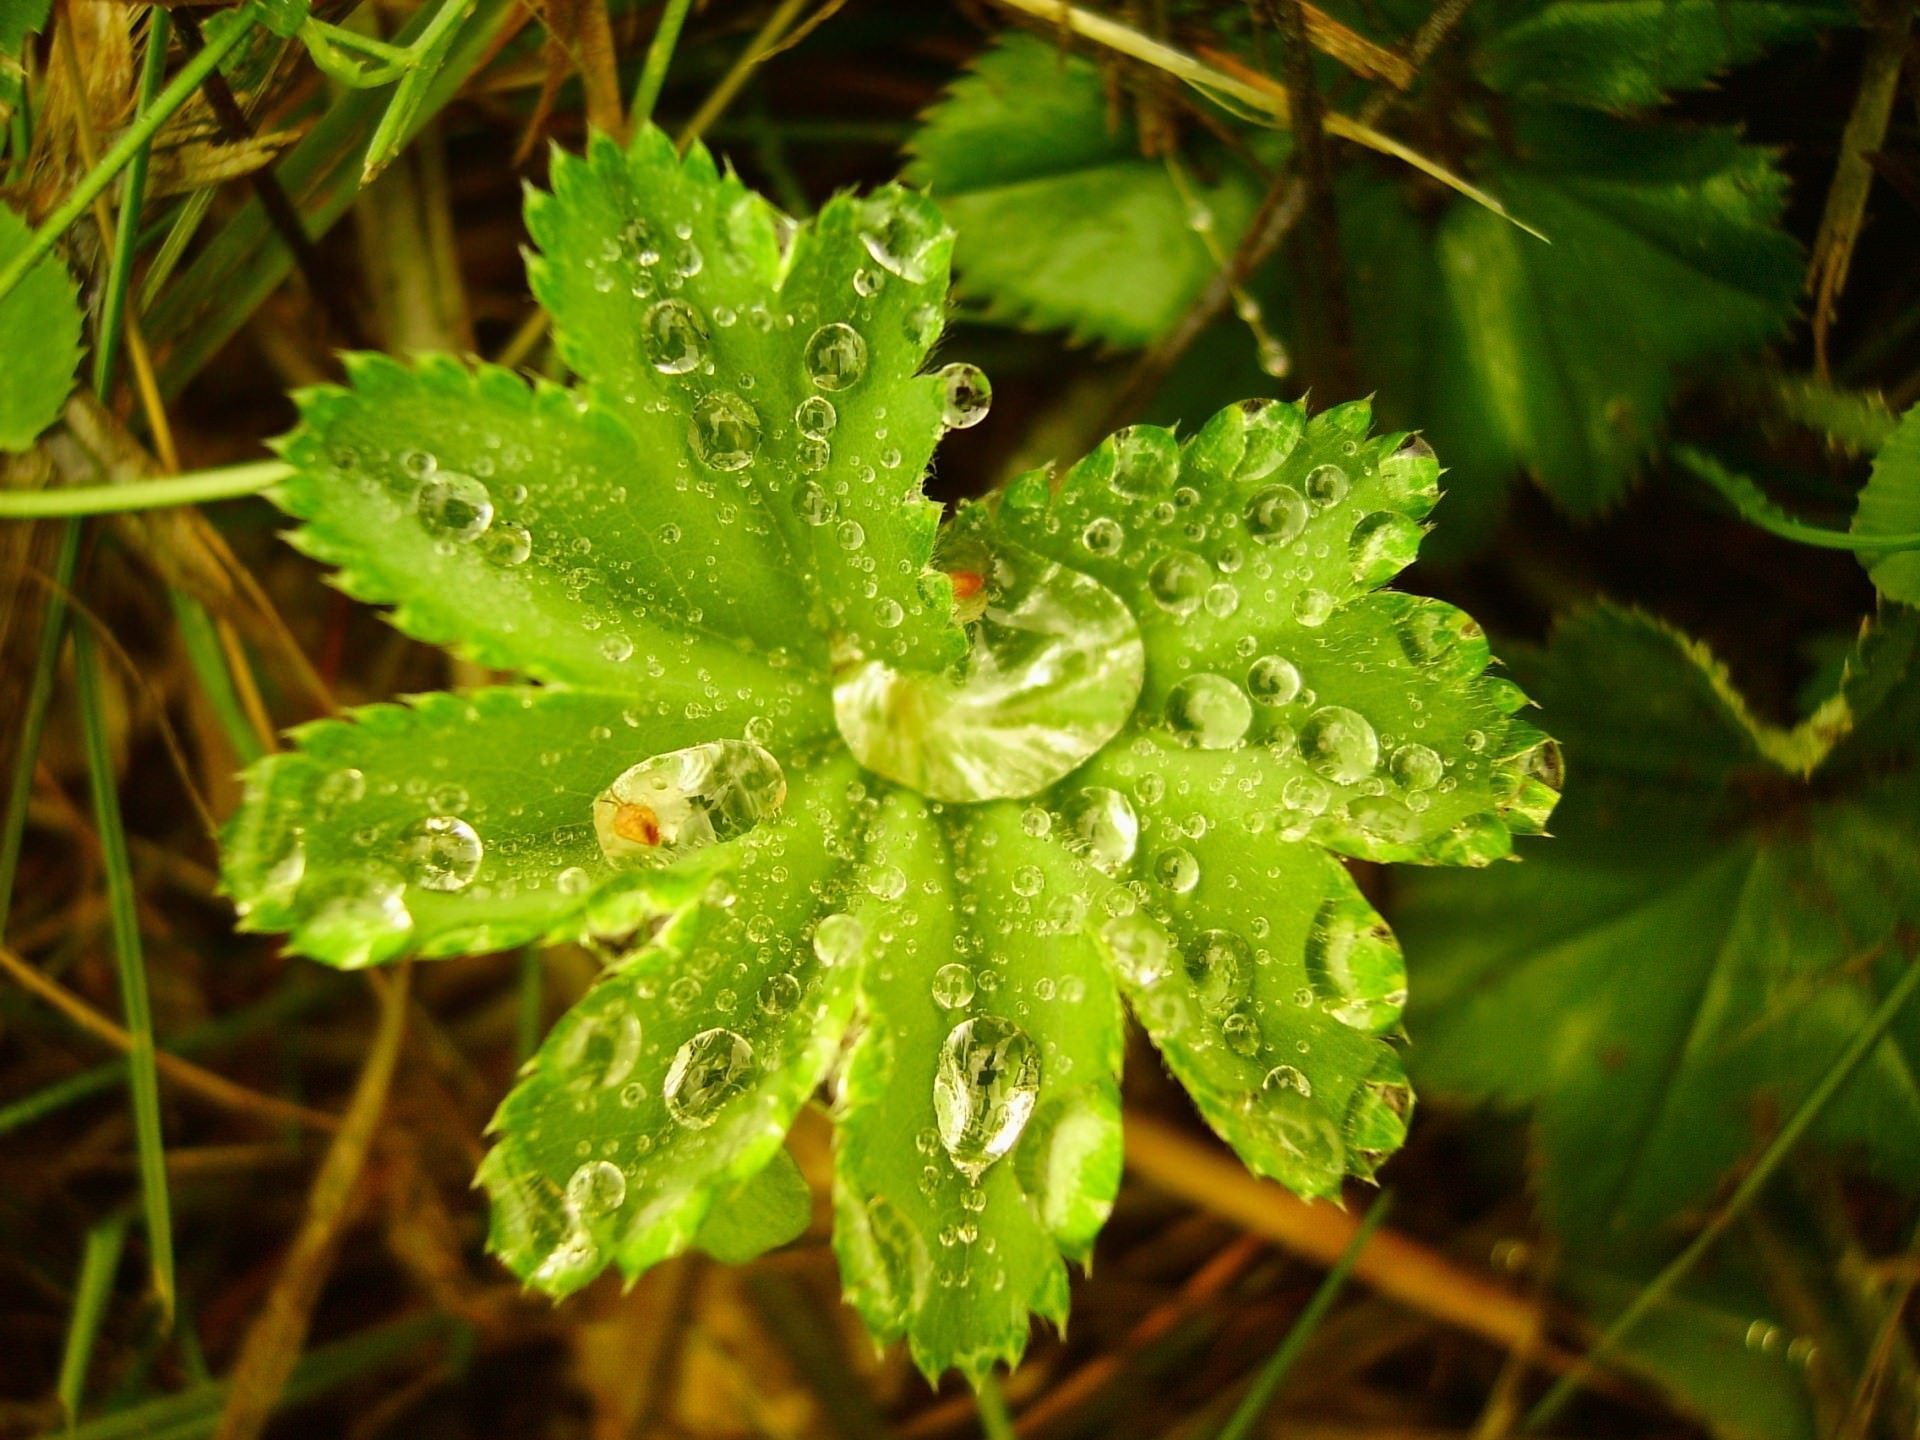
[(40, 338), (1063, 223), (1725, 904), (18, 20), (810, 855), (1890, 505)]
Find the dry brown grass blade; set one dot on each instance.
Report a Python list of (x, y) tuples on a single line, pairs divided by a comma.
[(1392, 1264), (190, 1077), (275, 1339)]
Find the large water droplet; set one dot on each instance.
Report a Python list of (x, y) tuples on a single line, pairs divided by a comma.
[(597, 1188), (984, 1090), (1383, 544), (355, 920), (1273, 680), (816, 417), (443, 854), (1417, 767), (675, 336), (1220, 965), (836, 356), (1052, 673), (901, 234), (1356, 966), (724, 430), (1101, 825), (452, 505), (1139, 948), (1273, 428), (1209, 711), (1178, 580), (1277, 515), (707, 1071), (1446, 641), (1340, 744), (966, 397), (679, 801)]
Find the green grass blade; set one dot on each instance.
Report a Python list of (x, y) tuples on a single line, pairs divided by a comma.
[(91, 1292), (209, 663), (33, 718), (141, 1074), (1267, 1383), (653, 74), (196, 487), (133, 196)]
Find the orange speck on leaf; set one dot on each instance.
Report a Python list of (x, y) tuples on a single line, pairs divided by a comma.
[(637, 823), (967, 583)]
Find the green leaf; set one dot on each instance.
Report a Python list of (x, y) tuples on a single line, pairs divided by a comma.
[(703, 319), (1631, 54), (1063, 223), (770, 1208), (1725, 905), (989, 1017), (1513, 354), (455, 824), (18, 20), (1890, 505), (675, 1078), (39, 335)]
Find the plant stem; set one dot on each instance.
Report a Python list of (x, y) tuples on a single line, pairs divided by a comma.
[(653, 74), (33, 717), (1754, 507), (225, 33), (133, 194), (196, 487), (91, 1291), (1750, 1186)]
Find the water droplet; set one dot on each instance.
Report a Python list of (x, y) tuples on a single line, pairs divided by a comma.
[(1413, 471), (1383, 544), (812, 503), (901, 233), (1103, 536), (886, 882), (1209, 711), (1327, 485), (887, 612), (1355, 965), (1416, 767), (836, 356), (1273, 680), (1303, 1145), (1178, 580), (1176, 869), (507, 542), (1277, 515), (779, 994), (816, 417), (1146, 460), (984, 1090), (837, 940), (1053, 671), (675, 335), (1102, 826), (1312, 607), (966, 398), (724, 430), (1139, 948), (444, 854), (1340, 744), (850, 535), (1446, 641), (707, 1071), (952, 986), (1273, 429), (682, 800), (453, 505), (1220, 965), (598, 1187), (1288, 1077), (340, 789), (355, 921)]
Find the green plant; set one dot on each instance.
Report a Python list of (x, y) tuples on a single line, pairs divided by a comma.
[(844, 796)]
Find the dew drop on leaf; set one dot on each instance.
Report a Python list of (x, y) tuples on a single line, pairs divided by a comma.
[(779, 994), (1176, 868), (816, 417), (837, 940), (707, 1071), (1340, 744), (1273, 680), (675, 336), (1355, 965), (1139, 948), (1103, 536), (1382, 545), (682, 800), (1273, 428), (1146, 460), (984, 1090), (443, 854), (953, 986), (1220, 965), (1178, 580), (1209, 712), (724, 430), (900, 235), (507, 542), (1102, 826), (836, 356), (966, 396), (1327, 486), (1277, 515), (453, 506), (355, 920), (1288, 1077), (597, 1188), (1416, 767)]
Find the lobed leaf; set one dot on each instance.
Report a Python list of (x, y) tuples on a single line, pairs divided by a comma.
[(39, 325), (768, 368), (1890, 505)]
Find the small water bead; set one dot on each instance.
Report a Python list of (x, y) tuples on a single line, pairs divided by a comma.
[(1209, 712), (724, 430), (1103, 536), (1288, 1077), (597, 1188), (953, 986), (444, 854), (1139, 948), (1313, 607), (1340, 744), (707, 1071), (984, 1090), (675, 336), (779, 994), (340, 789), (1176, 869), (867, 282), (1221, 599), (1382, 545), (1028, 881), (836, 356), (617, 648), (682, 800), (1416, 767), (887, 613), (1178, 580), (837, 940), (1102, 826), (1220, 965), (886, 882), (1327, 486), (507, 542), (812, 503), (850, 534), (1146, 460), (453, 506), (811, 455), (816, 417), (1273, 680), (1277, 515), (966, 397)]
